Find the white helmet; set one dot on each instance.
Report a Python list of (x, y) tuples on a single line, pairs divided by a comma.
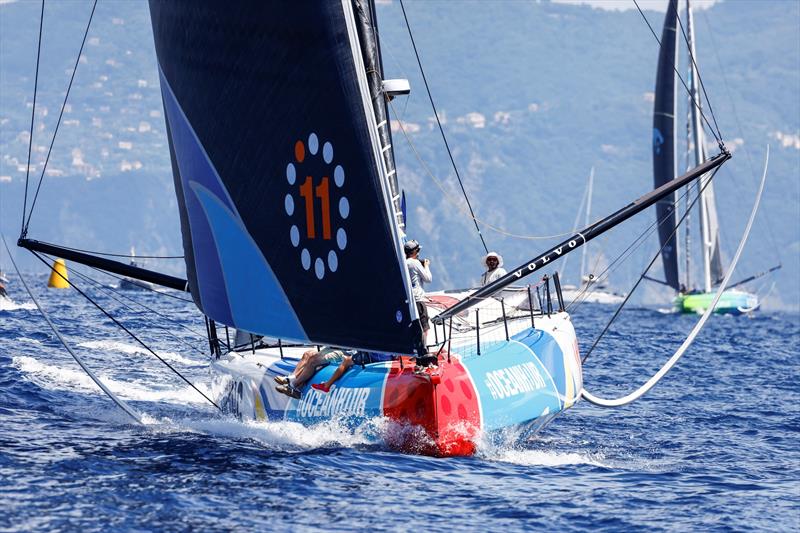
[(495, 255)]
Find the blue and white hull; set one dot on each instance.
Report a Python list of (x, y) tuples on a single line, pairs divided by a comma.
[(520, 384)]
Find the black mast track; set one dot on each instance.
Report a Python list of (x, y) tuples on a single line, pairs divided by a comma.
[(108, 265), (582, 237)]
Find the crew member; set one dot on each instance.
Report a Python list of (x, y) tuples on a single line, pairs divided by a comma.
[(420, 273), (311, 361), (494, 268)]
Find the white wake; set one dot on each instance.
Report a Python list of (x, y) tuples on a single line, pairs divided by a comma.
[(54, 377), (131, 349)]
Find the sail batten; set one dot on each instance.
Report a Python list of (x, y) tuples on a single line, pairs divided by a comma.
[(664, 143), (281, 184)]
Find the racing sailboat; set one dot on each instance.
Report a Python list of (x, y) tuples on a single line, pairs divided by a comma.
[(293, 233), (291, 224), (665, 113)]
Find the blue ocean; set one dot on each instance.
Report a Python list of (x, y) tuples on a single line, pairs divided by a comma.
[(714, 447)]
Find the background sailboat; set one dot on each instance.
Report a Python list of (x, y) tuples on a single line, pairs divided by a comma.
[(689, 299), (591, 289), (132, 284), (3, 283)]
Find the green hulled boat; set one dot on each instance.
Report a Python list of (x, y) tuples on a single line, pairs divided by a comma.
[(732, 302), (664, 170)]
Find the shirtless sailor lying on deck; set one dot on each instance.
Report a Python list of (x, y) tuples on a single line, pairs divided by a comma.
[(358, 358), (311, 361)]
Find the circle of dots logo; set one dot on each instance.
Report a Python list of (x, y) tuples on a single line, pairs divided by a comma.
[(316, 206)]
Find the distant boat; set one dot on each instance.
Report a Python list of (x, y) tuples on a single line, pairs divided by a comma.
[(591, 290), (4, 297), (132, 284), (3, 283), (688, 299)]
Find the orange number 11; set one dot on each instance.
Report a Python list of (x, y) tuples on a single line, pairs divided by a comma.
[(321, 191)]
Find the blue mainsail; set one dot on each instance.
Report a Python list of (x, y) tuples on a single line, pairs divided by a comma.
[(664, 142), (279, 173)]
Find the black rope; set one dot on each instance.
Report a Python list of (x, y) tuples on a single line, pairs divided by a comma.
[(109, 254), (770, 232), (621, 257), (697, 69), (33, 115), (627, 252), (441, 129), (110, 293), (58, 122), (116, 296), (126, 330), (641, 277), (675, 68)]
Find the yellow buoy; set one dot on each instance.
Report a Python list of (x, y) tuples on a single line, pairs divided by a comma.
[(58, 276)]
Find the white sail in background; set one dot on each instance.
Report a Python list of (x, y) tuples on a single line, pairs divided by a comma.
[(709, 223)]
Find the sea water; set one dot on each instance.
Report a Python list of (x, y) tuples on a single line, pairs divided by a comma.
[(713, 447)]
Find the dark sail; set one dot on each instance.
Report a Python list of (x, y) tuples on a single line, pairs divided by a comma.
[(287, 229), (664, 141)]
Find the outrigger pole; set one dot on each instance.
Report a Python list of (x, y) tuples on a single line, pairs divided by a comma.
[(754, 277), (584, 236), (115, 267)]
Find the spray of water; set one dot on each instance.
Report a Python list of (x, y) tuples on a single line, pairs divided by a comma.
[(130, 349), (7, 304), (507, 447), (55, 377)]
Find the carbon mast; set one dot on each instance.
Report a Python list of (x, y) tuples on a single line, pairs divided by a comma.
[(709, 225)]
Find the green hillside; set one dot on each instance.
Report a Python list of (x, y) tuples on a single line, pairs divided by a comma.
[(533, 94)]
